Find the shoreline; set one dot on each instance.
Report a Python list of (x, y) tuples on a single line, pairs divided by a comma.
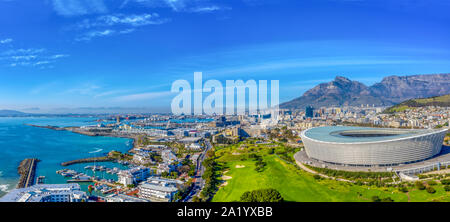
[(76, 129), (24, 175)]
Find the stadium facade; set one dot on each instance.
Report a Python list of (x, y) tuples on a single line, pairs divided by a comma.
[(363, 146)]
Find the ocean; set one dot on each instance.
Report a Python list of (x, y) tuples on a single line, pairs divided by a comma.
[(19, 141)]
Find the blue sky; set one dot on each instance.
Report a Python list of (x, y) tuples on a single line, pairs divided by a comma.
[(85, 55)]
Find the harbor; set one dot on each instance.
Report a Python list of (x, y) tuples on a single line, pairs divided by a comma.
[(100, 179)]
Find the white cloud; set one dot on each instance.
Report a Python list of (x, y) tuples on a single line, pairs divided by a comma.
[(211, 8), (57, 56), (24, 57), (126, 31), (142, 96), (179, 5), (30, 57), (85, 89), (116, 24), (133, 20), (93, 34), (79, 7), (5, 41), (29, 51)]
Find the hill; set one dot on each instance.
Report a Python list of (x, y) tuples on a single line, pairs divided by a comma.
[(6, 112), (443, 101)]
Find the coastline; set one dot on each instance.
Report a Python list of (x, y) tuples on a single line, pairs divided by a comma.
[(76, 129)]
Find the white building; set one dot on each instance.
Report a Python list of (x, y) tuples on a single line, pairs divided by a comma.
[(168, 156), (159, 189), (195, 146), (134, 175), (47, 193), (123, 198)]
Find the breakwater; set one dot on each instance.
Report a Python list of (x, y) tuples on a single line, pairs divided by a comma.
[(88, 160), (27, 172)]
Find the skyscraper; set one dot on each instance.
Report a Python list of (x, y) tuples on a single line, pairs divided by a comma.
[(309, 112)]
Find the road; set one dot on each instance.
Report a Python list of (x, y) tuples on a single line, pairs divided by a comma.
[(200, 169)]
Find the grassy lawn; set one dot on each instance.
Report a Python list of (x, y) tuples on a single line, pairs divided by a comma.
[(297, 185)]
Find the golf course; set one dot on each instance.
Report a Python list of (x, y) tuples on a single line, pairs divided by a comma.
[(239, 174)]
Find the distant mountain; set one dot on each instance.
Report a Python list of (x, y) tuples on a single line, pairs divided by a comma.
[(6, 112), (391, 90), (442, 101)]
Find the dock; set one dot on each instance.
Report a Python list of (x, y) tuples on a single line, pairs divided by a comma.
[(27, 171), (79, 181)]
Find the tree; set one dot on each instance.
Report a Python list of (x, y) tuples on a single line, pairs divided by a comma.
[(196, 199), (387, 199), (420, 185), (447, 187), (262, 195), (403, 189), (375, 199), (430, 189), (431, 183), (445, 181)]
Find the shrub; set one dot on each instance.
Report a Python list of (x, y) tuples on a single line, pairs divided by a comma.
[(420, 185), (262, 195), (445, 181), (431, 183), (447, 187), (431, 190), (387, 199), (317, 177), (403, 189), (375, 199)]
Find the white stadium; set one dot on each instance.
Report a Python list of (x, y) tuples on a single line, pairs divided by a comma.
[(363, 146)]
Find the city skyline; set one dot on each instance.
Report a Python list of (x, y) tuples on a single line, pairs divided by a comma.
[(125, 54)]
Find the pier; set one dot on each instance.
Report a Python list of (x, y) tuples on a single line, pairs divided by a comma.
[(88, 160), (27, 171)]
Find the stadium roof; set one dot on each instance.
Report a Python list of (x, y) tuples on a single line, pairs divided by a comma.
[(351, 134)]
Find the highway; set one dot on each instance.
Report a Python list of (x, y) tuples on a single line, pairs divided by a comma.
[(200, 169)]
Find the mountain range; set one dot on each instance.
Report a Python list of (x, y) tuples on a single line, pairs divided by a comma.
[(390, 91)]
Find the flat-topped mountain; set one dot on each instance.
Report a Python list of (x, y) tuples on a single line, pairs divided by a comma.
[(391, 90)]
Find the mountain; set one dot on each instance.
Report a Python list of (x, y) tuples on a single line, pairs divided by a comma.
[(391, 90), (442, 101), (6, 112)]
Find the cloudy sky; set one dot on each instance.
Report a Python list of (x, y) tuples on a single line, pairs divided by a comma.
[(65, 55)]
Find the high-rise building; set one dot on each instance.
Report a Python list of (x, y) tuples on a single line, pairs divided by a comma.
[(309, 112)]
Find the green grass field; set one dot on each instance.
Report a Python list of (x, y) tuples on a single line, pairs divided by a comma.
[(297, 185)]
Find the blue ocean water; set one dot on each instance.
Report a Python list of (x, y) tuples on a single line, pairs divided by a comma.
[(18, 141)]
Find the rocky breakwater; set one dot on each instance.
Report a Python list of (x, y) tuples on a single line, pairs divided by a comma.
[(112, 156), (27, 172)]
